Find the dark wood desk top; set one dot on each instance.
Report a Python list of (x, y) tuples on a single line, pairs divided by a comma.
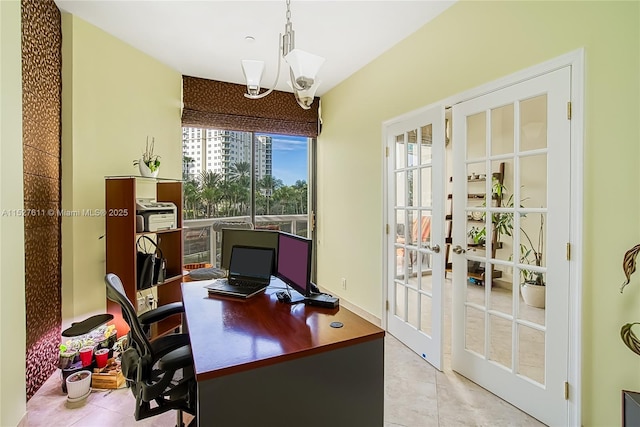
[(234, 335)]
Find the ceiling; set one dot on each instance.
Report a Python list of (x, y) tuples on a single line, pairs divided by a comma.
[(207, 38)]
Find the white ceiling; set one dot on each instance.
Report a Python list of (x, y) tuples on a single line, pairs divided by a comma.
[(207, 38)]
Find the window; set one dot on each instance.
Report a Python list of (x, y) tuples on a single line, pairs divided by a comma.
[(276, 166)]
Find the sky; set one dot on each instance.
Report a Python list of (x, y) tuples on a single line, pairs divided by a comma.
[(289, 158)]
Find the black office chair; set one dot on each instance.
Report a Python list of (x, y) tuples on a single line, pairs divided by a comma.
[(159, 372)]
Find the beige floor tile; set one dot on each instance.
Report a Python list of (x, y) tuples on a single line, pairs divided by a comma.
[(416, 395)]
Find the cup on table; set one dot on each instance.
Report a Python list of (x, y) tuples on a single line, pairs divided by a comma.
[(102, 356), (86, 355)]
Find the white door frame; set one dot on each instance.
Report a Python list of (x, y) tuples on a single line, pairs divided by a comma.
[(575, 59)]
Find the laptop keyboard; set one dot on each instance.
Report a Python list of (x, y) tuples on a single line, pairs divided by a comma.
[(245, 284)]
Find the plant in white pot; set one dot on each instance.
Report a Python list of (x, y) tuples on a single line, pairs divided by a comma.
[(78, 385), (533, 286), (149, 163)]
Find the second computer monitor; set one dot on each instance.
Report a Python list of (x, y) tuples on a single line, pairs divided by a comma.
[(294, 261), (241, 237)]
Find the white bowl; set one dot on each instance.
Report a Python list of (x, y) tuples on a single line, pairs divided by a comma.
[(78, 384)]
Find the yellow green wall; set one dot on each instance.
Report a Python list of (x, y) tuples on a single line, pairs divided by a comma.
[(13, 395), (470, 44), (114, 96)]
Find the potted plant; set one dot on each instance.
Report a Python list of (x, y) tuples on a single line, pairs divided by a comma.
[(149, 164), (78, 385), (533, 285), (477, 235), (502, 223), (67, 356)]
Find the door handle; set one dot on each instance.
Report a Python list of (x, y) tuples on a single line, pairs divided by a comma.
[(434, 248), (458, 250)]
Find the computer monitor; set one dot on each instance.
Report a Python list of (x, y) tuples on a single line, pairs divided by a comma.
[(242, 237), (294, 261)]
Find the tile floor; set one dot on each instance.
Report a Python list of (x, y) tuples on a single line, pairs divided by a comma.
[(416, 395)]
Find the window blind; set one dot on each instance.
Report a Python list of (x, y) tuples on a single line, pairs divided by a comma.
[(220, 105)]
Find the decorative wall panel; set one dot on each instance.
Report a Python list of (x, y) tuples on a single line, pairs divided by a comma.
[(41, 117)]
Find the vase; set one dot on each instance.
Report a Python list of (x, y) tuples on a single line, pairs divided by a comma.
[(145, 171)]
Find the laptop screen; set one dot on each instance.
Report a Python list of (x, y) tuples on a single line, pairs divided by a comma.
[(251, 263)]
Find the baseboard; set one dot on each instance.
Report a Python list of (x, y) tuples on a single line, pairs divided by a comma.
[(354, 308)]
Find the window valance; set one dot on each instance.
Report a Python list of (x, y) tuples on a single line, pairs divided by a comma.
[(220, 105)]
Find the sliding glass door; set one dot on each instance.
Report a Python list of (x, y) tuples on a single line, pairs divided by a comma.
[(242, 179)]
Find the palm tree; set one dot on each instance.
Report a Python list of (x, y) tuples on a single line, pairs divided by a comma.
[(286, 197), (267, 185), (186, 162), (191, 198), (240, 172), (240, 182), (300, 188), (210, 190)]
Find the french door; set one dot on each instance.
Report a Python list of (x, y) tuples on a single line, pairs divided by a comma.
[(511, 179), (415, 238)]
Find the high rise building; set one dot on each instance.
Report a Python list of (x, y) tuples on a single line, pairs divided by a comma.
[(218, 150)]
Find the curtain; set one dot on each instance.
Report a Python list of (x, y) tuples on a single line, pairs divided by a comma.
[(219, 105)]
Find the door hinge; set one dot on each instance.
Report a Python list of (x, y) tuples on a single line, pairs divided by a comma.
[(386, 151), (313, 221), (568, 251), (566, 390), (387, 228), (569, 110), (386, 305)]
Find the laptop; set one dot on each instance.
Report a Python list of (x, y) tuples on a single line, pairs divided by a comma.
[(249, 272)]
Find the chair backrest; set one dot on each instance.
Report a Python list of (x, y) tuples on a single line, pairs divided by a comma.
[(219, 225), (115, 292)]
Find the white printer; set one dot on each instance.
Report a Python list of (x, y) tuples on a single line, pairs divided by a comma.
[(156, 216)]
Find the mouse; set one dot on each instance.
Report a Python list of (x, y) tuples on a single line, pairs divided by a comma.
[(283, 296)]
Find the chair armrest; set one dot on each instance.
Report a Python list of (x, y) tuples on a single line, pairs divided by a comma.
[(177, 359), (157, 314), (163, 345)]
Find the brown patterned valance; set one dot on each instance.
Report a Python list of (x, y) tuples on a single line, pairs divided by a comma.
[(220, 105)]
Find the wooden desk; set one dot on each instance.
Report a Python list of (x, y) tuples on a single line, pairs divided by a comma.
[(259, 362)]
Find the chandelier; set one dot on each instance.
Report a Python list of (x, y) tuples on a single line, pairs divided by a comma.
[(303, 67)]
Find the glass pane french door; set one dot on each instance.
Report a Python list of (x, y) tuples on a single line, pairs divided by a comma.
[(415, 169), (511, 226)]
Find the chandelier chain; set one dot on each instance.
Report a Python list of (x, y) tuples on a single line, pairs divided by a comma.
[(288, 11)]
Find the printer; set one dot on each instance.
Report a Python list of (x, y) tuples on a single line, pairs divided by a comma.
[(155, 216)]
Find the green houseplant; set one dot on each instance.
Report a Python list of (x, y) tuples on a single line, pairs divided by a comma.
[(149, 163), (531, 254), (532, 286), (477, 235), (627, 334)]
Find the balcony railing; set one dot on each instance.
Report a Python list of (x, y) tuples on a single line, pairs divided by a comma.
[(202, 243)]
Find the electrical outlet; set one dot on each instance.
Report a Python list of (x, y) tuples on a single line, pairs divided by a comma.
[(141, 303), (150, 300), (344, 283)]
